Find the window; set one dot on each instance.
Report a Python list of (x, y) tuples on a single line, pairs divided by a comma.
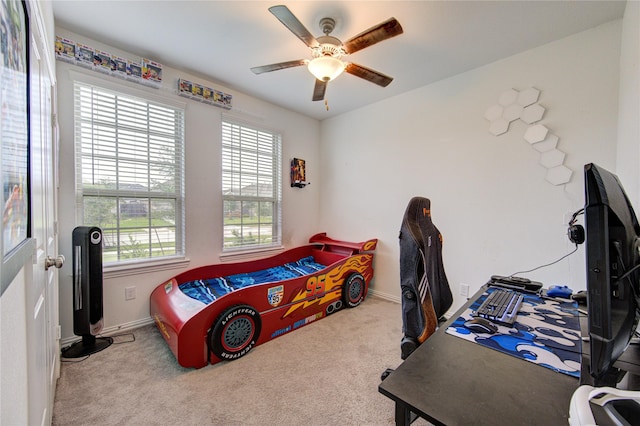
[(251, 186), (130, 173)]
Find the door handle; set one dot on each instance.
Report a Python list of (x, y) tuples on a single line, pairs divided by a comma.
[(50, 261)]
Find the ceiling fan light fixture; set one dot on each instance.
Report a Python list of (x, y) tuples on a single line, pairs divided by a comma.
[(326, 68), (327, 51)]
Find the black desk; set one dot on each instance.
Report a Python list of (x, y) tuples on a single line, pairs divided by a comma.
[(450, 381)]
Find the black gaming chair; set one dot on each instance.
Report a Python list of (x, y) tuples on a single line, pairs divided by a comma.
[(426, 294)]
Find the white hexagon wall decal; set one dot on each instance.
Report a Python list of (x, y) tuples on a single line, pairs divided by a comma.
[(550, 142), (512, 112), (558, 175), (528, 96), (532, 113), (508, 97), (536, 133), (499, 126), (512, 105), (552, 158), (493, 112)]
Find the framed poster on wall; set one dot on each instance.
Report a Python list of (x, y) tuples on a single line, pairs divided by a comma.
[(14, 127), (298, 173)]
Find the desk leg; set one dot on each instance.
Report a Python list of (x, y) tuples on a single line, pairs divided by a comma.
[(403, 414)]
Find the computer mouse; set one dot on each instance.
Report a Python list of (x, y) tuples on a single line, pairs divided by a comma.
[(481, 325)]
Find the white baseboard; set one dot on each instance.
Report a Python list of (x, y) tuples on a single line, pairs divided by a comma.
[(384, 296), (111, 330), (397, 299), (146, 321)]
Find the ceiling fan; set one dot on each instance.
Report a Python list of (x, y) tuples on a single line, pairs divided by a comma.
[(327, 51)]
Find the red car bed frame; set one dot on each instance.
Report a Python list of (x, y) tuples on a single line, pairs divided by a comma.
[(230, 326)]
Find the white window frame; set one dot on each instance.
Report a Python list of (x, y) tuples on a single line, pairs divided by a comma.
[(251, 180), (176, 196)]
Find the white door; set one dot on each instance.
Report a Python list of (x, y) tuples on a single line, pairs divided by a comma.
[(42, 293), (29, 363)]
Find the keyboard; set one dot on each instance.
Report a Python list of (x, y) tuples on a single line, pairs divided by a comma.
[(501, 306)]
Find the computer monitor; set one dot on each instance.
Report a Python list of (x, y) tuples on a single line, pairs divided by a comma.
[(613, 261)]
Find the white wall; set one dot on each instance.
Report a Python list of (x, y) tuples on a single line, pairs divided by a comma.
[(203, 183), (629, 117), (489, 197)]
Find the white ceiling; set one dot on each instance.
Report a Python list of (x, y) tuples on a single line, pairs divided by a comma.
[(222, 40)]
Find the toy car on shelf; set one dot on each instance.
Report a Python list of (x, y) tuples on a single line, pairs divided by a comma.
[(220, 312)]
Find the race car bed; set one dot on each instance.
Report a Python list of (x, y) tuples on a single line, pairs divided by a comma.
[(220, 312)]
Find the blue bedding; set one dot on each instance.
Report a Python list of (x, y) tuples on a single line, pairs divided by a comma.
[(208, 290)]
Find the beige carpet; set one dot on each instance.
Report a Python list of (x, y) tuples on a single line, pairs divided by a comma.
[(326, 373)]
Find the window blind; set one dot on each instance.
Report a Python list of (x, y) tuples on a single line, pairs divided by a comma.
[(130, 172), (251, 186)]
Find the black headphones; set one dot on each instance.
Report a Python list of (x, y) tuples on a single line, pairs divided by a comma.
[(576, 232)]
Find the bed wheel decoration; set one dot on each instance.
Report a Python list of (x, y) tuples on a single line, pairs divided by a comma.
[(353, 293), (235, 332)]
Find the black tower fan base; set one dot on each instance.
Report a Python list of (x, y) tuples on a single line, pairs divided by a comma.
[(88, 345)]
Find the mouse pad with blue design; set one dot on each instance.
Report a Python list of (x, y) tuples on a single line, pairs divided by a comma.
[(546, 332)]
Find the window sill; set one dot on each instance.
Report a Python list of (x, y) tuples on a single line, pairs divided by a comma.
[(144, 267), (240, 255)]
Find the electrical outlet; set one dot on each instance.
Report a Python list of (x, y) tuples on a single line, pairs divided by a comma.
[(129, 293), (464, 290)]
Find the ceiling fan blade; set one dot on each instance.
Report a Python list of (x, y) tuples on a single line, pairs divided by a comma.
[(389, 28), (319, 90), (279, 66), (368, 74), (289, 20)]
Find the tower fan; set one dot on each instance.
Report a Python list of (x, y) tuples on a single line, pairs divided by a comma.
[(87, 293)]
